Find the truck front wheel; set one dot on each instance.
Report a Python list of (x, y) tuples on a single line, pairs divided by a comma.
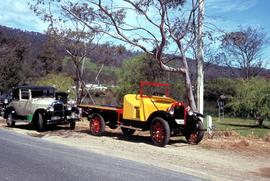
[(160, 131), (194, 133), (97, 125)]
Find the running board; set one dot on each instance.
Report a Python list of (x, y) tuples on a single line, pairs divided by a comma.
[(130, 127)]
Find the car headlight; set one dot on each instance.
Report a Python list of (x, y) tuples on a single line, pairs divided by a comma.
[(50, 108), (69, 108), (6, 101)]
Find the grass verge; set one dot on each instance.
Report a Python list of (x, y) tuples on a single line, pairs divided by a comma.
[(245, 127)]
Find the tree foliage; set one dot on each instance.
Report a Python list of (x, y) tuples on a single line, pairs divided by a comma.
[(252, 98), (221, 86), (12, 55), (61, 82), (142, 68), (50, 58)]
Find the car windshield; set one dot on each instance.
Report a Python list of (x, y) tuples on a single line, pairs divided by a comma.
[(43, 93)]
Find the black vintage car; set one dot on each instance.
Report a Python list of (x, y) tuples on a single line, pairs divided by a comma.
[(39, 106), (5, 98)]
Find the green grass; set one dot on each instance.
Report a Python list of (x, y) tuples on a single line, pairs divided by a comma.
[(245, 127)]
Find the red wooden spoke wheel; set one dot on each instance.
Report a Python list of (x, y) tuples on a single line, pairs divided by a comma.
[(195, 134), (193, 137), (160, 131), (97, 125)]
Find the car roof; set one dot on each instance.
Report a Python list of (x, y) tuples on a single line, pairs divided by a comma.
[(35, 87)]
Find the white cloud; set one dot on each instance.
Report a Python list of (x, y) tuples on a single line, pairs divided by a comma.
[(16, 14), (224, 6)]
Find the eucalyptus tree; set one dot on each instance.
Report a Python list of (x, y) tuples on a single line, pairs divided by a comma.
[(164, 29), (243, 49)]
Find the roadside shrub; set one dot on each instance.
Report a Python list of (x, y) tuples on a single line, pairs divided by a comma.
[(252, 98)]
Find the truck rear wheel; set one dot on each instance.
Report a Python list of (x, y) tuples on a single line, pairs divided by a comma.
[(97, 125), (160, 131), (128, 131), (194, 134)]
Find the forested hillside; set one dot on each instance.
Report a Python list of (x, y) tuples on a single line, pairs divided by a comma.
[(28, 56), (34, 55)]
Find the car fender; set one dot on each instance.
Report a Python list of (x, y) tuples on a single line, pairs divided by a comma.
[(9, 110), (35, 115)]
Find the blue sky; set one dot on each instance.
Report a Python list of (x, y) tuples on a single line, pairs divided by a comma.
[(225, 14)]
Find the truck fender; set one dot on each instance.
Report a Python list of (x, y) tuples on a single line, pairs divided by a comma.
[(163, 114)]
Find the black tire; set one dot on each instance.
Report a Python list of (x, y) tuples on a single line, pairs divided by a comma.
[(72, 125), (160, 131), (96, 125), (128, 131), (41, 123), (10, 120), (194, 133)]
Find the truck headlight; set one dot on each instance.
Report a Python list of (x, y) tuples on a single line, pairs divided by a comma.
[(171, 110), (189, 111)]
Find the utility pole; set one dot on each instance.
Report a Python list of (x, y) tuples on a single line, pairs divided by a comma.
[(200, 57)]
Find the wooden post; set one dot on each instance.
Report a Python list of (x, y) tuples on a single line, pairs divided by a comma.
[(200, 58)]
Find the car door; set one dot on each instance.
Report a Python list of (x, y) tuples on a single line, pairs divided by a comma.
[(25, 101), (21, 101)]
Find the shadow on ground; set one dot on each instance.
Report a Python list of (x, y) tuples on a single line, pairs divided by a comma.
[(64, 131), (142, 137)]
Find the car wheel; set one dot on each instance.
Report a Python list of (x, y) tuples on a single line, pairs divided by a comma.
[(41, 123), (194, 134), (128, 131), (10, 120), (72, 125), (97, 125), (160, 131)]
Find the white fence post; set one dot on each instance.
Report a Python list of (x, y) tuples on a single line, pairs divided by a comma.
[(209, 125)]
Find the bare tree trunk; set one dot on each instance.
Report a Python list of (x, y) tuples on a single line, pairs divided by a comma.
[(78, 81), (200, 57), (188, 85)]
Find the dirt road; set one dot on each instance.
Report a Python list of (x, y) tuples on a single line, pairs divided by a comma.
[(227, 157)]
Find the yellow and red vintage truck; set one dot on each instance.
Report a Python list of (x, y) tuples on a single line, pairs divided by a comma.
[(162, 115)]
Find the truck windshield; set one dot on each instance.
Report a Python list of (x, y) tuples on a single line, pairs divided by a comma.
[(148, 89)]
